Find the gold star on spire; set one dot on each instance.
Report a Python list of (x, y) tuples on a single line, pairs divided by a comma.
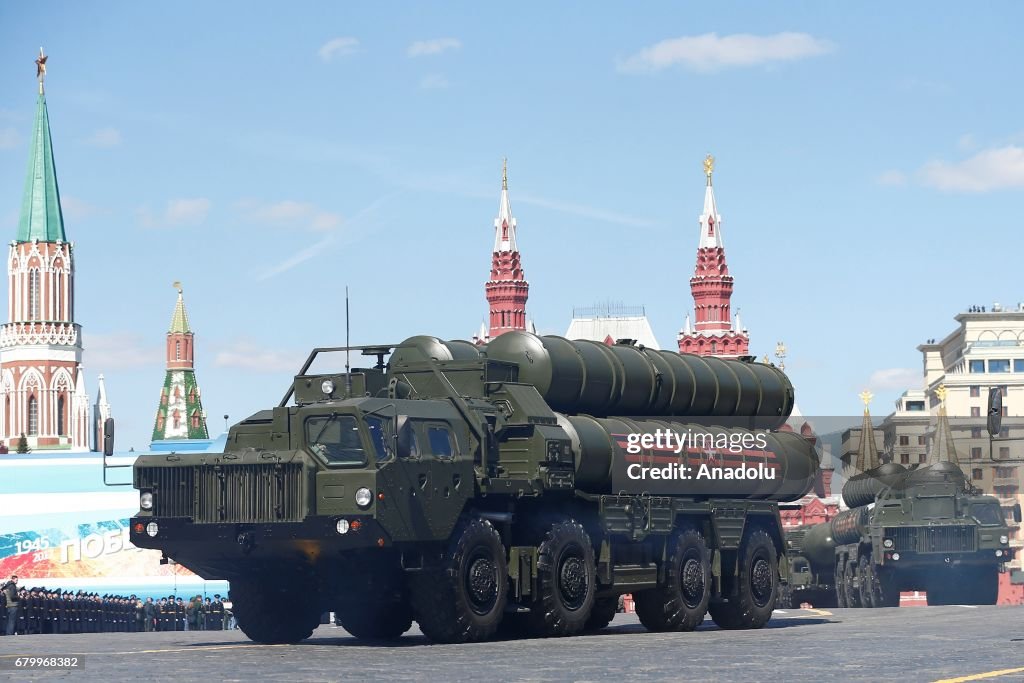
[(866, 396), (504, 173), (940, 393), (177, 286), (709, 167)]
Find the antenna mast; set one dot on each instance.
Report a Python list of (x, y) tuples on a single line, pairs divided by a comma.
[(348, 369)]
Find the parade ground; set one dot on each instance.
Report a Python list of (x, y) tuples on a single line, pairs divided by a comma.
[(946, 644)]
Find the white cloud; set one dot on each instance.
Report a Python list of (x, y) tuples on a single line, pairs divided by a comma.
[(434, 82), (295, 259), (338, 47), (892, 178), (290, 214), (710, 52), (178, 212), (991, 169), (121, 351), (104, 137), (423, 48), (246, 355), (895, 379), (78, 210), (9, 138), (586, 211)]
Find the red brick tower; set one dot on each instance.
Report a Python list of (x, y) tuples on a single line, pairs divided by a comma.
[(715, 333), (507, 288)]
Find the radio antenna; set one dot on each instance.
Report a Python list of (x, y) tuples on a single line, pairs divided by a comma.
[(348, 369)]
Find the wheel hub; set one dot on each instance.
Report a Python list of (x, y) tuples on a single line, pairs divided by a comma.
[(482, 582), (693, 582), (761, 581), (572, 581)]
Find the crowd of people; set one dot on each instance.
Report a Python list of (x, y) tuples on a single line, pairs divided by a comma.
[(44, 610)]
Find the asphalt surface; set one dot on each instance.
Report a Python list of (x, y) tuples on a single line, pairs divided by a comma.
[(903, 644)]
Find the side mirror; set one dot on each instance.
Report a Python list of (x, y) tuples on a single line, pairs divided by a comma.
[(108, 436), (1016, 513), (995, 411)]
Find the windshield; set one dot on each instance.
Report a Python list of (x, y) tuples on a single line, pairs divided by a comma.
[(933, 508), (987, 514), (336, 439), (378, 435)]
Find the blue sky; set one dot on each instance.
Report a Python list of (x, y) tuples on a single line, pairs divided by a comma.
[(870, 169)]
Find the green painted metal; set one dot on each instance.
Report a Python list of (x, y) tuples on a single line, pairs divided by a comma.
[(41, 217)]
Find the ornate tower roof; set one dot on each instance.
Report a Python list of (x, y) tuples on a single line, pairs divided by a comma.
[(505, 223), (867, 452), (180, 414), (41, 217), (179, 319), (943, 448), (507, 289)]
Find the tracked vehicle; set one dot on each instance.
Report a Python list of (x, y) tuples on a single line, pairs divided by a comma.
[(473, 488)]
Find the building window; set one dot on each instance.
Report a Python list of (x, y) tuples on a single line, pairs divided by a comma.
[(915, 406), (60, 416), (975, 411), (975, 391), (33, 416), (976, 473), (976, 366), (920, 440), (714, 347), (1002, 390), (1004, 433), (922, 458), (177, 350), (975, 432), (195, 419), (999, 365), (1004, 413), (904, 440), (33, 295), (1004, 452), (976, 453), (177, 419), (905, 458), (1018, 364), (160, 422)]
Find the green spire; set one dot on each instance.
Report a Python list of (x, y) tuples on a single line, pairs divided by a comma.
[(179, 321), (41, 217)]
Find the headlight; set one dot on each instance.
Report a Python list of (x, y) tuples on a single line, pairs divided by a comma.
[(342, 526), (1004, 539), (327, 387), (896, 556), (364, 497), (152, 529), (887, 543), (999, 553), (146, 501)]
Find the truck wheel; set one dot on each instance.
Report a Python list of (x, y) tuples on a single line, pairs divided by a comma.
[(884, 589), (850, 583), (463, 600), (602, 614), (840, 586), (679, 605), (272, 612), (375, 621), (566, 581), (866, 572), (752, 603)]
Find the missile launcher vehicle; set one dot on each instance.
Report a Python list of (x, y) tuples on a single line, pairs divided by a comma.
[(924, 528), (524, 485)]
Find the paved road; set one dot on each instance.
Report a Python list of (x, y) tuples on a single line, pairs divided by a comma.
[(909, 644)]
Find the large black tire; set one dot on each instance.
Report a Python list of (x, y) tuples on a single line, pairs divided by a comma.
[(464, 599), (377, 621), (602, 614), (851, 583), (680, 604), (840, 586), (566, 581), (753, 598), (866, 573), (273, 612)]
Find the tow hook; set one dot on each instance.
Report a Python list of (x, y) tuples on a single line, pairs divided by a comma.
[(247, 541)]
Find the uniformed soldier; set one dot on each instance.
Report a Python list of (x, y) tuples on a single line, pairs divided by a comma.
[(218, 613)]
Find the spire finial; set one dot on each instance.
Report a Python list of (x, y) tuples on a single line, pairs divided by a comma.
[(177, 286), (866, 396), (504, 173), (709, 167), (41, 69), (940, 393)]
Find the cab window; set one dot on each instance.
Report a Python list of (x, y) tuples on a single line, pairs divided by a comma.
[(378, 435), (335, 438), (441, 441), (987, 514)]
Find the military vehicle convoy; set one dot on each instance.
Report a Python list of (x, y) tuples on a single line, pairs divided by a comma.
[(924, 528), (475, 487)]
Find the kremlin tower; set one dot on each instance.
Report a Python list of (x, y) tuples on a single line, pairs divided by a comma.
[(714, 332), (43, 399), (507, 288), (180, 414)]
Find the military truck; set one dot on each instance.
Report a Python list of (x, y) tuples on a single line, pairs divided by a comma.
[(924, 528), (809, 581), (475, 487)]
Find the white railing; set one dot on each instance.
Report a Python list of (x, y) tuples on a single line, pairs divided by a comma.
[(18, 334)]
